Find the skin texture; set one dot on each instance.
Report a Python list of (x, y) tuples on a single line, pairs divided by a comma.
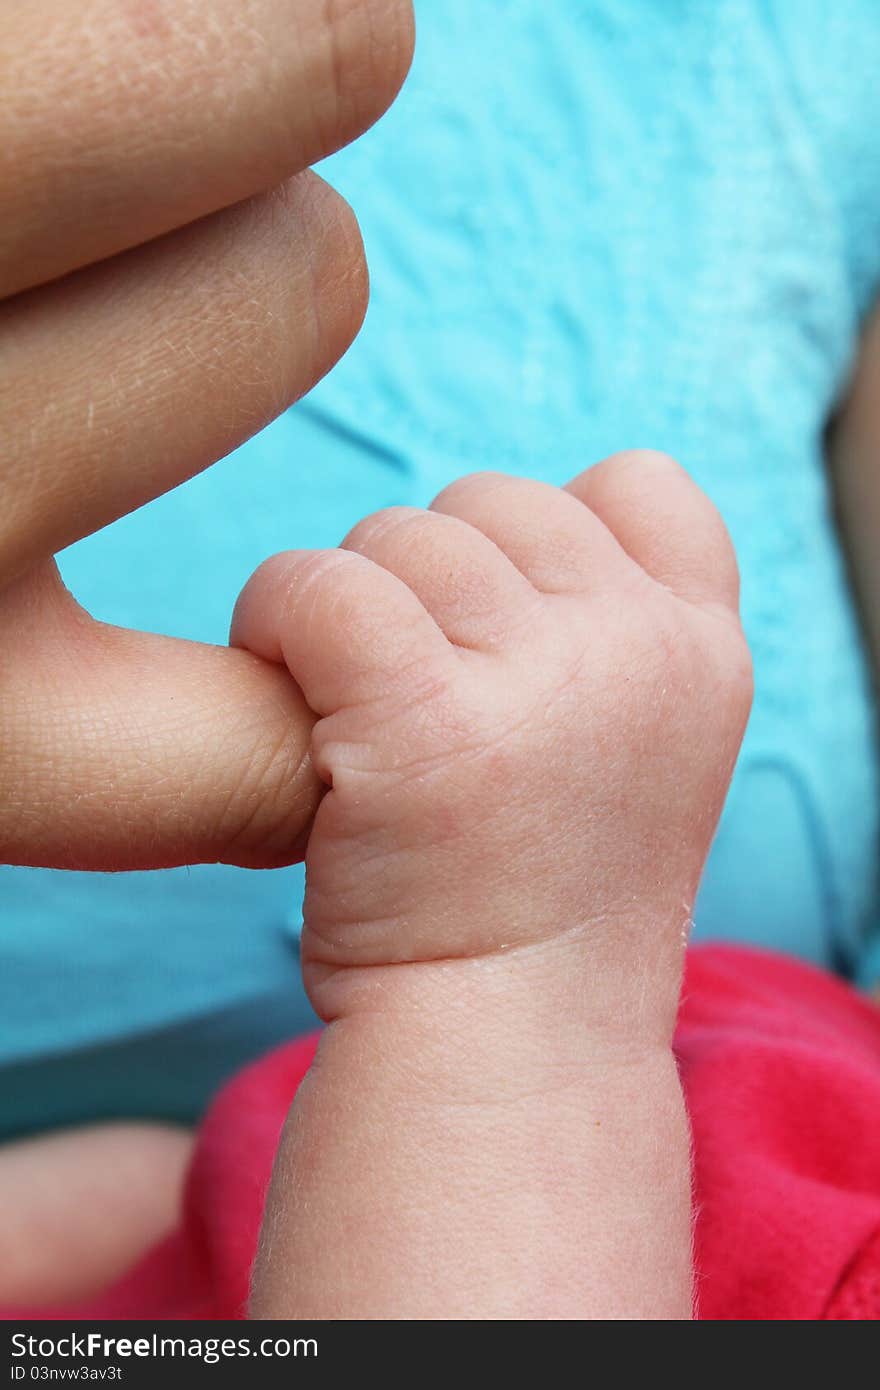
[(123, 119), (171, 278), (530, 703)]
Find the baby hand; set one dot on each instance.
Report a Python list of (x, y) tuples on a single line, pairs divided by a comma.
[(530, 702)]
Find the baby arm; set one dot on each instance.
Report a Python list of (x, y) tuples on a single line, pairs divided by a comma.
[(530, 702)]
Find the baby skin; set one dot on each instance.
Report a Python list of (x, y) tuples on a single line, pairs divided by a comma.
[(525, 705), (529, 703)]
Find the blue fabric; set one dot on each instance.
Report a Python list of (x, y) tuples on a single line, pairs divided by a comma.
[(589, 226)]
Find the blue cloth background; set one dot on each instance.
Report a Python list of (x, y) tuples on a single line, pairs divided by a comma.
[(589, 226)]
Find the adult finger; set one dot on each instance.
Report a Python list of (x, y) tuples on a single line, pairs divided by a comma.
[(125, 750), (125, 378), (123, 119)]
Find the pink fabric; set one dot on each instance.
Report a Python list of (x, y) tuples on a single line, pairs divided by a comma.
[(781, 1067)]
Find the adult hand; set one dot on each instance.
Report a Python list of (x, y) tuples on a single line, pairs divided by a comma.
[(171, 278)]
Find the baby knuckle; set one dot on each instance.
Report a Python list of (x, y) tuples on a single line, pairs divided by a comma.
[(726, 674), (376, 528), (471, 485), (739, 675), (644, 461)]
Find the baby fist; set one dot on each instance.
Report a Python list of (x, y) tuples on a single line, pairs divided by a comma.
[(530, 703)]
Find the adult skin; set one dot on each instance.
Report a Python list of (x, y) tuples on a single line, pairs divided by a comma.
[(172, 277)]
